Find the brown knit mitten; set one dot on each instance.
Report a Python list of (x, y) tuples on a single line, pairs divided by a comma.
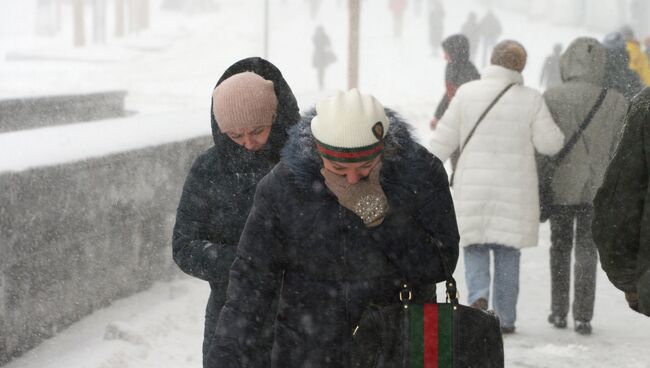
[(365, 198)]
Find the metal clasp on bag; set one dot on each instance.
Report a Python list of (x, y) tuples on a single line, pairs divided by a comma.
[(405, 295), (452, 299)]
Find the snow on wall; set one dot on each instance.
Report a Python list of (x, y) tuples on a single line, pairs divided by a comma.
[(75, 236)]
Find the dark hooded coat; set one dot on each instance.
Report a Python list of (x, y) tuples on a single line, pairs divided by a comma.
[(621, 226), (459, 70), (218, 194), (330, 265)]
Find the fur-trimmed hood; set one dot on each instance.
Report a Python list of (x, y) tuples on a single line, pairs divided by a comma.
[(301, 158)]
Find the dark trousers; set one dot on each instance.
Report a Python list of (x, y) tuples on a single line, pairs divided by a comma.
[(571, 224)]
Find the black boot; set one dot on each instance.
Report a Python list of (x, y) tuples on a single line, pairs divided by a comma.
[(582, 327), (557, 321), (480, 303)]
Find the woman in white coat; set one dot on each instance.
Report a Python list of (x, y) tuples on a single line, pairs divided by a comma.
[(495, 185)]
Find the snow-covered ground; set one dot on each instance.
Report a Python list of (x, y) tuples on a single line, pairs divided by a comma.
[(162, 327)]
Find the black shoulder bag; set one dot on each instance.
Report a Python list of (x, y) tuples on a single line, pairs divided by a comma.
[(471, 133), (407, 334), (546, 166)]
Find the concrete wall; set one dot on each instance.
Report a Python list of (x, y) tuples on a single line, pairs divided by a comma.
[(37, 112), (75, 237)]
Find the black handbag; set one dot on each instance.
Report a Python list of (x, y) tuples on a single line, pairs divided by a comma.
[(546, 166), (409, 334)]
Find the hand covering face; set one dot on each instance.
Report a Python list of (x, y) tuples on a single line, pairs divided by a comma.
[(365, 198)]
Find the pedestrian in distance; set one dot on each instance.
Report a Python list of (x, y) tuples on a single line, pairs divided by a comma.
[(638, 60), (550, 75), (621, 214), (578, 175), (618, 74), (436, 25), (252, 111), (354, 208), (489, 30), (323, 54), (471, 30), (397, 7), (459, 70), (498, 124)]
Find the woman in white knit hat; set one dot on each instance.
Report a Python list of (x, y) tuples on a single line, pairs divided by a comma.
[(354, 207)]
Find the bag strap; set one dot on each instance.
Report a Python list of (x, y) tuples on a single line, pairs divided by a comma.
[(583, 126), (490, 106), (471, 133), (405, 294)]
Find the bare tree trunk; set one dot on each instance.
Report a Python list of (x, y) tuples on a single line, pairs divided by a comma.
[(145, 18), (58, 16), (132, 11), (353, 43), (79, 24), (119, 18), (99, 21)]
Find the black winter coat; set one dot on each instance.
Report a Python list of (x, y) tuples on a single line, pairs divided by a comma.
[(218, 194), (621, 226), (459, 70), (329, 264)]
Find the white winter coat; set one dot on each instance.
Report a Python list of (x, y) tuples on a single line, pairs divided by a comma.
[(495, 186)]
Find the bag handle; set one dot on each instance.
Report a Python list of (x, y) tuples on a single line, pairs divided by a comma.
[(471, 133), (406, 295)]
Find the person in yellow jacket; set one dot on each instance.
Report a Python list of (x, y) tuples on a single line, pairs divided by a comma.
[(638, 59)]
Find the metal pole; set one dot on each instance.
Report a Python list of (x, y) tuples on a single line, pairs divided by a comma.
[(266, 29), (79, 24), (353, 44)]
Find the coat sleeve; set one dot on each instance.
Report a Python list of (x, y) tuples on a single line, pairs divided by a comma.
[(194, 248), (436, 214), (253, 286), (548, 139), (618, 113), (619, 203), (446, 138), (442, 107)]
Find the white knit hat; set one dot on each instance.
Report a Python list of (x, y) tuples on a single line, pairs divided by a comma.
[(350, 127)]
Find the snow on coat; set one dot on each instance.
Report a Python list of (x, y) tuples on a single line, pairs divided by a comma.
[(495, 186)]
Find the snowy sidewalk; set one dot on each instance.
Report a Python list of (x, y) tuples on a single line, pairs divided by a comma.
[(163, 327)]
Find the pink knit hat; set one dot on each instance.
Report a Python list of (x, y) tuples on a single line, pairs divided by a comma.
[(244, 100)]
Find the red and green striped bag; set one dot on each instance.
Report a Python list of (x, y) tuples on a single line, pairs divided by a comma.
[(430, 335)]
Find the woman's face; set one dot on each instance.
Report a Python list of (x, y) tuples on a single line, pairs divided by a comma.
[(353, 171), (253, 139)]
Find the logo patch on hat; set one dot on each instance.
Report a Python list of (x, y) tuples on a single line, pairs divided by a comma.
[(378, 130)]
